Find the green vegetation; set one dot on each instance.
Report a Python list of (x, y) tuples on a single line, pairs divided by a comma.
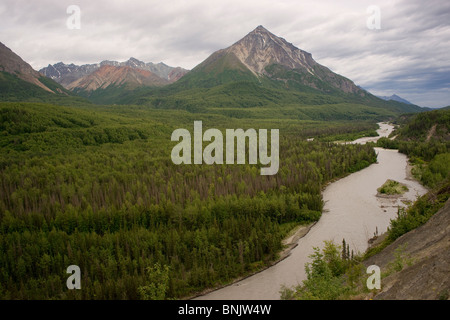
[(417, 127), (425, 138), (331, 275), (158, 283), (391, 187), (95, 187), (252, 99), (14, 89), (415, 215)]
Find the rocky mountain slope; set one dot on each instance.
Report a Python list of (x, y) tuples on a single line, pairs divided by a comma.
[(20, 82), (261, 49), (67, 73), (14, 65), (260, 70)]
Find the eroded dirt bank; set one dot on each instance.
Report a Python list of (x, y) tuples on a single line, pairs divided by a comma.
[(425, 255)]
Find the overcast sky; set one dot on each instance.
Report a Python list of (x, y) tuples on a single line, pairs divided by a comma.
[(408, 55)]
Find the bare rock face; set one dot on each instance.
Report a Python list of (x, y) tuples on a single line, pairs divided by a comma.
[(261, 48), (13, 64)]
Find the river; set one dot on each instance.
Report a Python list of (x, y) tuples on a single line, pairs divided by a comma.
[(352, 211)]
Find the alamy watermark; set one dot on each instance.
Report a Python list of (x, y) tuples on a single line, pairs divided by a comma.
[(74, 20), (373, 22), (74, 281), (373, 281), (213, 152)]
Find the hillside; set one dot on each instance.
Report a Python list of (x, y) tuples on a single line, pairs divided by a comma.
[(425, 138), (433, 124), (20, 82), (425, 259), (108, 82), (261, 54), (11, 63)]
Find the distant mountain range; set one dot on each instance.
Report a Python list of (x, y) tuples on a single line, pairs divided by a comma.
[(260, 70), (90, 77), (108, 75), (395, 97)]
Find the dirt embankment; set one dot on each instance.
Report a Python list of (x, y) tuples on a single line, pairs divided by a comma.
[(425, 254), (431, 133)]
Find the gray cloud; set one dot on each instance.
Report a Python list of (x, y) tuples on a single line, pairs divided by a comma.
[(407, 56)]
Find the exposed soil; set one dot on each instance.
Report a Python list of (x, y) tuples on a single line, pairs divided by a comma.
[(431, 132)]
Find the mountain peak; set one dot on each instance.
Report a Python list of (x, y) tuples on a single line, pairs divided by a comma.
[(261, 48), (261, 54), (260, 28)]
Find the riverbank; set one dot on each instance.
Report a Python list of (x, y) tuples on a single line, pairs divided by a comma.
[(292, 240), (289, 243)]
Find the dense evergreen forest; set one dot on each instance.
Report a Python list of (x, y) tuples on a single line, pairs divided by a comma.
[(95, 186)]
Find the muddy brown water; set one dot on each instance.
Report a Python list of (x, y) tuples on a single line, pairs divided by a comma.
[(352, 211)]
